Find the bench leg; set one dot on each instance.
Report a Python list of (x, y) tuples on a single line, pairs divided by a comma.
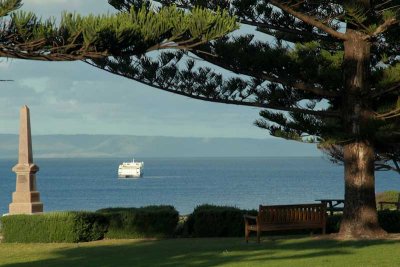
[(246, 234)]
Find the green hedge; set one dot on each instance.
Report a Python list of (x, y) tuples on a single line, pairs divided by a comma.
[(333, 223), (388, 220), (54, 227), (150, 221), (216, 221)]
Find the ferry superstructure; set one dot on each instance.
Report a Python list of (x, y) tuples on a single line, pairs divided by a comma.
[(131, 169)]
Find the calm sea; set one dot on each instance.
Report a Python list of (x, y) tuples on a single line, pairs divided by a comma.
[(90, 184)]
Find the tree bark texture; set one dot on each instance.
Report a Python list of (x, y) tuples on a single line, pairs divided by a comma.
[(360, 218)]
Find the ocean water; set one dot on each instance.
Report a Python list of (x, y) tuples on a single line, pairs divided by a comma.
[(91, 184)]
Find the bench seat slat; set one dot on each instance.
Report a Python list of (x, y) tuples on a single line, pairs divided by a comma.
[(277, 227)]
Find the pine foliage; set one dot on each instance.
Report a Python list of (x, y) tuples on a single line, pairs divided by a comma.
[(135, 31), (297, 77)]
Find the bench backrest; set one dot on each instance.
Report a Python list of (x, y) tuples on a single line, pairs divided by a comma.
[(303, 213)]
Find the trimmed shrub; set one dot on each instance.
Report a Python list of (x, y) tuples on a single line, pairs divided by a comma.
[(150, 221), (216, 221), (333, 223), (90, 226), (68, 227), (389, 221)]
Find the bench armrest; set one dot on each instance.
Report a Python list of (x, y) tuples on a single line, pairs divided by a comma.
[(248, 218)]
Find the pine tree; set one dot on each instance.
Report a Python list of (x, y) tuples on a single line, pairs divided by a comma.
[(331, 76), (136, 31)]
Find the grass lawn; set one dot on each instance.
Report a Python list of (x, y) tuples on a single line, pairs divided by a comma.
[(205, 252)]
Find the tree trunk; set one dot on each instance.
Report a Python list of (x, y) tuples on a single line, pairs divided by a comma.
[(360, 218)]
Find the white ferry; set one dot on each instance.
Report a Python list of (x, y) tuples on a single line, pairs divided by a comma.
[(131, 169)]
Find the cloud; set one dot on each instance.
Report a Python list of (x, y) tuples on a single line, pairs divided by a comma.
[(73, 97)]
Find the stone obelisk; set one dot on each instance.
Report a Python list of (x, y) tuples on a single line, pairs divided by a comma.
[(26, 198)]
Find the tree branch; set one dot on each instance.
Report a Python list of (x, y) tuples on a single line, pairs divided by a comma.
[(249, 72), (388, 115), (391, 89), (263, 26), (383, 27), (309, 20), (320, 113), (302, 86), (385, 167), (50, 57)]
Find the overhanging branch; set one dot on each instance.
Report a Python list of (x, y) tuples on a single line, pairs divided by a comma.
[(383, 27), (386, 91), (263, 26), (309, 20), (320, 113), (299, 85)]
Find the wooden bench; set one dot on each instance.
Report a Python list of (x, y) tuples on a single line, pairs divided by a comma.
[(397, 204), (286, 217)]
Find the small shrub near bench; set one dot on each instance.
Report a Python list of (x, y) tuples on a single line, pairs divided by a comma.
[(389, 221), (150, 221), (216, 221), (333, 223), (68, 227)]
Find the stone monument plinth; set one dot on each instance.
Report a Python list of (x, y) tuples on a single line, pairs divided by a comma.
[(26, 198)]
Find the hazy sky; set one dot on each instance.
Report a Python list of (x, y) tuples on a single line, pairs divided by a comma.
[(73, 97)]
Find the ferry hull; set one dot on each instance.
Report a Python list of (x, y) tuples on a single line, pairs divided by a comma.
[(130, 170), (130, 176)]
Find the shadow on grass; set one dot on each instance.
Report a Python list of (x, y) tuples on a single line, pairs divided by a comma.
[(198, 252)]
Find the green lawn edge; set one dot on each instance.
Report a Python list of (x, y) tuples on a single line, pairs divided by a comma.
[(293, 251)]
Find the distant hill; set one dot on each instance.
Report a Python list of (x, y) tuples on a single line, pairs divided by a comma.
[(64, 146)]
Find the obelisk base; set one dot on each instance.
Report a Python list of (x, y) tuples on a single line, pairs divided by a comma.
[(26, 203)]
